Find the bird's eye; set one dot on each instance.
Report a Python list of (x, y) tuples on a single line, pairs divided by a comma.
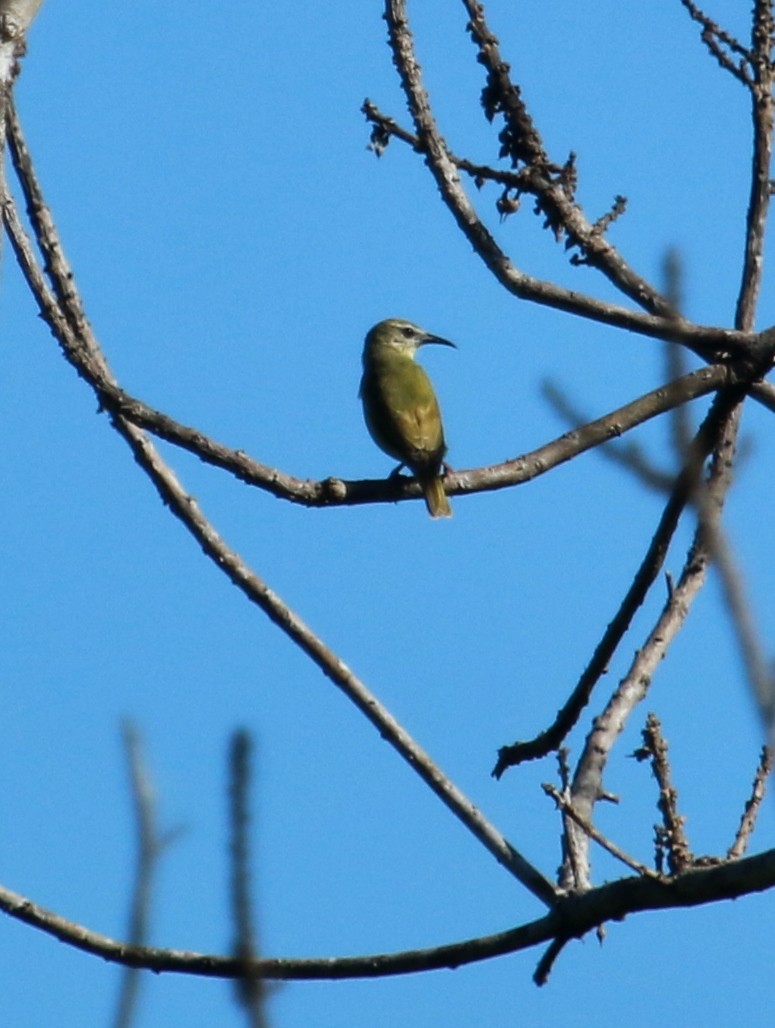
[(407, 333)]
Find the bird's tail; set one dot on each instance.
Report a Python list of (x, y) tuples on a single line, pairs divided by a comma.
[(435, 498)]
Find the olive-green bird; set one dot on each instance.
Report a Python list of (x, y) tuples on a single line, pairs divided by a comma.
[(400, 407)]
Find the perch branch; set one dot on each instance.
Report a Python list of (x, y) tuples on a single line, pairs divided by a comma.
[(573, 917), (82, 349)]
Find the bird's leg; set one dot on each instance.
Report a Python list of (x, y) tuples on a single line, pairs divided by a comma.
[(396, 472)]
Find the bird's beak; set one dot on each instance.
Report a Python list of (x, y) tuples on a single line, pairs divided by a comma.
[(439, 340)]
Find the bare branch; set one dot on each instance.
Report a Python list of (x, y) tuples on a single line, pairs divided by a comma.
[(529, 466), (705, 341), (255, 589), (522, 144)]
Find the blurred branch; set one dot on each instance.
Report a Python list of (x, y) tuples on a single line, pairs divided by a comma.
[(150, 845), (758, 669), (683, 492), (16, 17), (629, 456), (676, 364), (251, 992)]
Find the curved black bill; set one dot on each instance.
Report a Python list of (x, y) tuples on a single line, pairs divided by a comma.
[(439, 340)]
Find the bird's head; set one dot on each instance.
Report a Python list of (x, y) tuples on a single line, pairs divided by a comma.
[(394, 335)]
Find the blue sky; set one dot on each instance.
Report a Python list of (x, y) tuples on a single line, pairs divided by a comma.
[(233, 239)]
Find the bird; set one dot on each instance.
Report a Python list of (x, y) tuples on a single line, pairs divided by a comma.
[(400, 407)]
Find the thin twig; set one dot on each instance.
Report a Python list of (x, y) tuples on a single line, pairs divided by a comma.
[(589, 829), (716, 39), (150, 846), (761, 185), (567, 838), (673, 840), (385, 128), (751, 812)]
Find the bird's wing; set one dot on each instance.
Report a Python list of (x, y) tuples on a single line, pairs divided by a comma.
[(405, 416)]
